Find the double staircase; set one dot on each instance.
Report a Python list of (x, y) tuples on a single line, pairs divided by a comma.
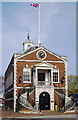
[(26, 101), (69, 104)]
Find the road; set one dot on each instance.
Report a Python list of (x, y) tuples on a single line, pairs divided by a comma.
[(61, 117)]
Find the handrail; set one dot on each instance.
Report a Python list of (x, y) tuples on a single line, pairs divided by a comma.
[(26, 103), (31, 101), (68, 105), (24, 90), (60, 94)]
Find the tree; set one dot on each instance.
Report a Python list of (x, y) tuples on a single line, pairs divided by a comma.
[(72, 84)]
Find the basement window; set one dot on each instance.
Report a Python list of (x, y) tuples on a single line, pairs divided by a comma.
[(55, 76), (26, 75)]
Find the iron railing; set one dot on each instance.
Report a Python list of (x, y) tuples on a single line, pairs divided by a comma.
[(69, 105), (46, 83), (24, 101), (27, 101)]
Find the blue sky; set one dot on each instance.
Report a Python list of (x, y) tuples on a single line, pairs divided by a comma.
[(58, 29), (0, 38)]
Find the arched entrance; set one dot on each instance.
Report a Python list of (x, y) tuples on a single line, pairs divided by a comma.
[(44, 101)]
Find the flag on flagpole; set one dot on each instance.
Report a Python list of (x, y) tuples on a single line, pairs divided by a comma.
[(36, 5)]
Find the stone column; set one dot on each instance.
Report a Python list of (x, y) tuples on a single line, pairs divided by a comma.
[(15, 86), (37, 99), (52, 76), (66, 83), (36, 93), (36, 80), (52, 99), (52, 94)]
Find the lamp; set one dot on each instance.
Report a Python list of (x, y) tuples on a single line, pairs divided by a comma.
[(63, 79), (20, 78)]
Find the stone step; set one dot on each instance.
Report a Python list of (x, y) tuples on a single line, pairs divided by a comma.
[(28, 112)]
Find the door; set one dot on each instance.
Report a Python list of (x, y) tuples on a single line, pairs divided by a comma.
[(44, 101), (41, 76)]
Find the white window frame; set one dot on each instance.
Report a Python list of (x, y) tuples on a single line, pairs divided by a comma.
[(23, 75), (58, 76)]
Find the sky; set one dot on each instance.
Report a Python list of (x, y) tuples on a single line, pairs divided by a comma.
[(0, 38), (57, 29), (77, 39)]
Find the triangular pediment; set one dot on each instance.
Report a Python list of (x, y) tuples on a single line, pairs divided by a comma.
[(32, 55)]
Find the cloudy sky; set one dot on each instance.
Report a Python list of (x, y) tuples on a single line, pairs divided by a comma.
[(57, 29)]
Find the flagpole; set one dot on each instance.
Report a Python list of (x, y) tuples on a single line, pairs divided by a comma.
[(39, 25)]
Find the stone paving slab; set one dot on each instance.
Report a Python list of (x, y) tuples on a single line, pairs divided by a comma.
[(11, 114)]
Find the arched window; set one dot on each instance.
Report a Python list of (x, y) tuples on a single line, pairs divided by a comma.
[(26, 75), (55, 75)]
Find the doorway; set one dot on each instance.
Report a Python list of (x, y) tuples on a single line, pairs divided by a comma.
[(41, 76), (44, 101)]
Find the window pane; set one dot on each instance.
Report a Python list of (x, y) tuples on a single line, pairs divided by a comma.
[(55, 75), (26, 74)]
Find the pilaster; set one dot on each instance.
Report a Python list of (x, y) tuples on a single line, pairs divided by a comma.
[(52, 76), (15, 86), (66, 81)]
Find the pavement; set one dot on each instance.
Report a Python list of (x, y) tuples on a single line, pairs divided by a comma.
[(45, 115), (64, 117)]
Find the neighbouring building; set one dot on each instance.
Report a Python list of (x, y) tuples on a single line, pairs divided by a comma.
[(36, 78)]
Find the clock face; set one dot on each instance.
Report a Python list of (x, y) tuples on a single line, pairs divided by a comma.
[(41, 54)]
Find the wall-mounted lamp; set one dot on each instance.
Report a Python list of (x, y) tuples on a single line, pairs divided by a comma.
[(20, 78), (63, 79)]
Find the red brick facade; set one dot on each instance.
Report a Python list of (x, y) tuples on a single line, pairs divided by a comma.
[(21, 63)]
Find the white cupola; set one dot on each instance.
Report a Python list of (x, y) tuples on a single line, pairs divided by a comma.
[(28, 43)]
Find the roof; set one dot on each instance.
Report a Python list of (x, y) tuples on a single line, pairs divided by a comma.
[(32, 49)]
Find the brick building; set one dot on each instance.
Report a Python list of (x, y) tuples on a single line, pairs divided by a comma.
[(36, 78)]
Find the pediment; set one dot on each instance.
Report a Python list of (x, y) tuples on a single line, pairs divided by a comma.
[(32, 55)]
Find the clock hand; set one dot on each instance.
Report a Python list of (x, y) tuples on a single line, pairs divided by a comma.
[(42, 54)]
